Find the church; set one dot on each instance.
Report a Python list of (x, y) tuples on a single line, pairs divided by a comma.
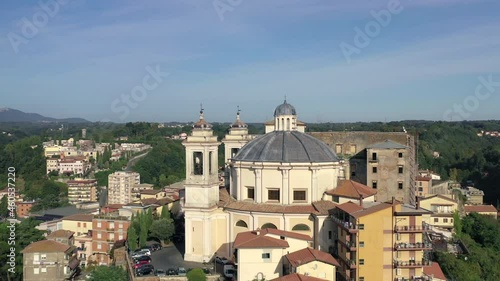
[(280, 180)]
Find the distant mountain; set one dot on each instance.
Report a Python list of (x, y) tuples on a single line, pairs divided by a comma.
[(14, 115)]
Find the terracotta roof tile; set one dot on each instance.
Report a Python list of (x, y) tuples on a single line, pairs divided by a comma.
[(151, 191), (46, 246), (438, 196), (297, 277), (79, 217), (284, 233), (308, 255), (323, 207), (434, 270), (480, 209), (421, 178), (254, 239), (61, 233), (350, 207), (269, 208), (352, 189)]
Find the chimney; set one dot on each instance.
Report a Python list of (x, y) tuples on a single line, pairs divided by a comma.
[(361, 200)]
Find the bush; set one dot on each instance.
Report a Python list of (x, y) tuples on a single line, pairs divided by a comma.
[(196, 274)]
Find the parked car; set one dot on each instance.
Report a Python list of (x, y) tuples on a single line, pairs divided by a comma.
[(171, 271), (141, 253), (160, 272), (145, 269), (221, 260), (141, 263), (181, 271), (155, 247), (142, 258)]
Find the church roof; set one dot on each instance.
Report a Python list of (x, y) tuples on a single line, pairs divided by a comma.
[(352, 189), (257, 239), (297, 277), (285, 109), (286, 146)]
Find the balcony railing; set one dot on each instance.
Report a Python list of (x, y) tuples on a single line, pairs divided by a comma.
[(412, 228), (347, 225), (411, 264), (81, 249), (414, 278), (412, 246), (351, 245)]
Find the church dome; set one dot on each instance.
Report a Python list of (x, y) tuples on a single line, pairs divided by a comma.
[(286, 146), (285, 109)]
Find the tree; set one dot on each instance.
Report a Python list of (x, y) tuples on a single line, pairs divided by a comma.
[(4, 211), (165, 213), (132, 238), (149, 218), (457, 224), (108, 273), (163, 229), (143, 233), (196, 274)]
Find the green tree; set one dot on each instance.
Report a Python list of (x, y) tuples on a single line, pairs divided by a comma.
[(149, 218), (163, 229), (143, 233), (457, 223), (132, 238), (108, 273), (4, 211), (165, 213), (196, 274)]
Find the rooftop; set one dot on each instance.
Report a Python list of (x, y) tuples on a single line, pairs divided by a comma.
[(308, 255), (79, 217), (46, 246), (284, 233), (256, 239), (352, 189), (480, 209), (61, 234), (297, 277), (387, 144), (434, 270)]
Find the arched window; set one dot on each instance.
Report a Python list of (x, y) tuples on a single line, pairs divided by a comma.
[(268, 225), (241, 223), (288, 124), (301, 227)]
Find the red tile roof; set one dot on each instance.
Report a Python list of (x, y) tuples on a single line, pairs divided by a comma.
[(308, 255), (350, 207), (284, 233), (423, 178), (151, 191), (79, 217), (434, 270), (480, 209), (46, 246), (254, 239), (297, 277), (358, 211), (323, 207), (352, 189), (61, 234)]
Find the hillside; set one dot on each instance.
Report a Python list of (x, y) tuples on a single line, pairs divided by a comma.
[(14, 115)]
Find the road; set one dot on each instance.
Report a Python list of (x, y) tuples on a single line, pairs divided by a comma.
[(134, 160)]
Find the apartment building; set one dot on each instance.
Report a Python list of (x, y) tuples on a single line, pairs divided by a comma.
[(381, 241), (120, 186), (48, 260), (106, 230), (488, 210), (442, 208), (82, 190), (138, 188), (52, 164), (81, 225), (23, 208), (424, 186)]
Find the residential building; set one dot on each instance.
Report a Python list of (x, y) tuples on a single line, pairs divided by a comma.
[(152, 194), (442, 208), (349, 190), (381, 241), (424, 185), (48, 260), (297, 277), (136, 189), (488, 210), (120, 185), (259, 253), (434, 272), (311, 262), (23, 208), (82, 190), (62, 236), (474, 196), (52, 164), (51, 151), (73, 166), (106, 230), (80, 224)]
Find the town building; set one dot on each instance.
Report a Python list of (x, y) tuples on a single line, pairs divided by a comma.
[(48, 260), (106, 230), (473, 195), (442, 208), (73, 166), (349, 190), (311, 262), (82, 190), (297, 277), (138, 188), (381, 241), (120, 185), (62, 236), (488, 210), (23, 208), (424, 186)]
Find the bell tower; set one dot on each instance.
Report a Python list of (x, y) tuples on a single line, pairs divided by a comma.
[(201, 191)]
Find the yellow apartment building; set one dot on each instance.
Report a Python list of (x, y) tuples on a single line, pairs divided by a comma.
[(442, 208), (380, 241)]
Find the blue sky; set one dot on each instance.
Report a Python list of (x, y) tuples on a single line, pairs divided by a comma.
[(88, 54)]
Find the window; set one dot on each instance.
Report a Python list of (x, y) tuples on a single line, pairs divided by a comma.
[(420, 189), (353, 149), (43, 257), (273, 194), (374, 170), (361, 226), (84, 224), (250, 193), (361, 244), (268, 225), (210, 156), (374, 184), (266, 255), (445, 220), (120, 225), (338, 148), (329, 235), (120, 237), (234, 151), (398, 236), (400, 155), (301, 227), (400, 185), (374, 156), (99, 225), (451, 220), (361, 262), (99, 235), (353, 170), (198, 163), (44, 270), (78, 224), (436, 220), (400, 169), (99, 246), (420, 183), (299, 195), (241, 223), (398, 271), (112, 225), (36, 270)]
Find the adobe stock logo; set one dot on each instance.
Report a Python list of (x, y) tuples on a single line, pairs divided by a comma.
[(30, 27), (223, 6), (150, 82), (483, 91), (372, 29)]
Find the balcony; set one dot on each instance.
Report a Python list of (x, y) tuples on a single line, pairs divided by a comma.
[(110, 229), (81, 248), (419, 246), (351, 245), (346, 225), (412, 228), (351, 263), (414, 278), (411, 264)]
